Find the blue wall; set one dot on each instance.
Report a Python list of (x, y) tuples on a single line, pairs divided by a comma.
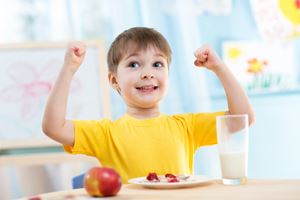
[(274, 150)]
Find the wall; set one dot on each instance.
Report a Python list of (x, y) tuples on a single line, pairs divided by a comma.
[(274, 149), (274, 138)]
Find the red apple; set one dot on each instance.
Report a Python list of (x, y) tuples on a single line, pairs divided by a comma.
[(102, 181)]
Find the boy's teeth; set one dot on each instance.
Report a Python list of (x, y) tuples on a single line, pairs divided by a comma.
[(147, 87)]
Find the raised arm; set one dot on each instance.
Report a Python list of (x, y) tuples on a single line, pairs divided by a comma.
[(238, 102), (55, 124)]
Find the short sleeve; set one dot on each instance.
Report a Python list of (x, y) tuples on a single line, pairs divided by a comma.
[(204, 128), (89, 137)]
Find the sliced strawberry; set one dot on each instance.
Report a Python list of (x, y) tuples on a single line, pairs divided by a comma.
[(170, 175), (173, 180), (152, 177)]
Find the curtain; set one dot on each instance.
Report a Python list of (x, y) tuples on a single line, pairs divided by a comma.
[(58, 20)]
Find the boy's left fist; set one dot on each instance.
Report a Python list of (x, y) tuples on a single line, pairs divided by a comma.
[(74, 55), (207, 57)]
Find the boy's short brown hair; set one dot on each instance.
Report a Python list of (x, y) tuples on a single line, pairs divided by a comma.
[(142, 38)]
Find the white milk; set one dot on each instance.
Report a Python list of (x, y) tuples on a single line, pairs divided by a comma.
[(233, 165)]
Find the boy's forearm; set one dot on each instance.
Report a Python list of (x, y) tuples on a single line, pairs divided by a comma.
[(238, 102), (55, 112)]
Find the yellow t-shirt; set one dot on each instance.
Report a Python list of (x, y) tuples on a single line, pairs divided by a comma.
[(133, 147)]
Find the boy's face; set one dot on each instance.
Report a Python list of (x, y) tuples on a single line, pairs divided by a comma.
[(142, 77)]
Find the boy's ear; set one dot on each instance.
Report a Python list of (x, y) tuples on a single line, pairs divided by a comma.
[(113, 80)]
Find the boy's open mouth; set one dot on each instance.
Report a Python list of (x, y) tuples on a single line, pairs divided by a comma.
[(147, 87)]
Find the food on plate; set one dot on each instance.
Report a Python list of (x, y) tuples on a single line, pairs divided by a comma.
[(167, 178), (102, 181), (152, 177), (171, 178)]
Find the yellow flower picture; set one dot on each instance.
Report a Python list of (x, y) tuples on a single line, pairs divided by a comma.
[(261, 66)]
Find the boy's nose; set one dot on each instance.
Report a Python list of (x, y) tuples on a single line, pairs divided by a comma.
[(147, 76)]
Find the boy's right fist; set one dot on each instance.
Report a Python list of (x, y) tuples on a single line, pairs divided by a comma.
[(74, 55)]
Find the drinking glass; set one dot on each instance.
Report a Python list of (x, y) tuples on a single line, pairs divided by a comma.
[(233, 139)]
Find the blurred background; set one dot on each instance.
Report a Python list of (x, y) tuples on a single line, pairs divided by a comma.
[(258, 40)]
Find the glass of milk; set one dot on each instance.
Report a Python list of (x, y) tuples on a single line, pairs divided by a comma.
[(233, 137)]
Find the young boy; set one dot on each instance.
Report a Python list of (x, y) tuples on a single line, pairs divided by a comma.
[(143, 140)]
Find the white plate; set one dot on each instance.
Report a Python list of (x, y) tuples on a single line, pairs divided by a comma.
[(192, 181)]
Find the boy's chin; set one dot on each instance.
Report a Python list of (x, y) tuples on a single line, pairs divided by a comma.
[(147, 104)]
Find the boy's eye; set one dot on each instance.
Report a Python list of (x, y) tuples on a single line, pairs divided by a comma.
[(157, 64), (134, 65)]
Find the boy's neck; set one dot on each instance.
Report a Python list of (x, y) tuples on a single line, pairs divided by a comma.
[(143, 113)]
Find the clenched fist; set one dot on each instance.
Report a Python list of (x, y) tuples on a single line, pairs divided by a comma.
[(74, 55), (207, 57)]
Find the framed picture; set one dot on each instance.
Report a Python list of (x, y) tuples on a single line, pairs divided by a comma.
[(28, 72), (261, 66)]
